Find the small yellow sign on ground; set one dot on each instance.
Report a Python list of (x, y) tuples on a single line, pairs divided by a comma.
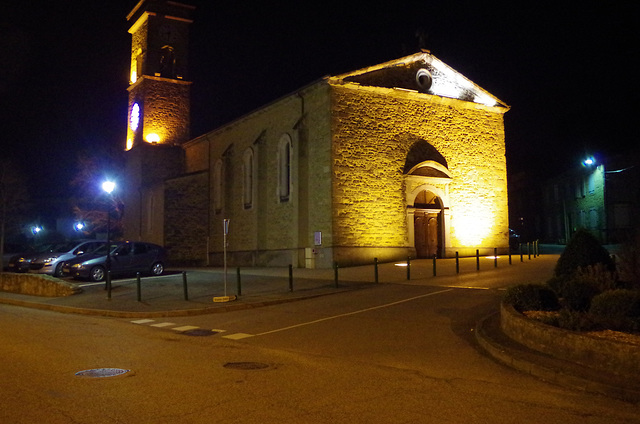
[(224, 298)]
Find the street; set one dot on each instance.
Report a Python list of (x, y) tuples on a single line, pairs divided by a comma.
[(390, 353)]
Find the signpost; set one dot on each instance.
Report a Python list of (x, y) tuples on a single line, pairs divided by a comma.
[(225, 298)]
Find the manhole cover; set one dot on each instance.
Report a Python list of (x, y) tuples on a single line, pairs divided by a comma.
[(199, 332), (102, 372), (246, 365)]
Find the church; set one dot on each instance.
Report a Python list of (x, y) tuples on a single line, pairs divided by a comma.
[(404, 159)]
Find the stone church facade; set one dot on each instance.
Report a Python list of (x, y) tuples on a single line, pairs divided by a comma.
[(402, 159)]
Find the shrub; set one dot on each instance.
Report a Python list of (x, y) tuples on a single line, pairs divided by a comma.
[(582, 250), (617, 309), (576, 293), (531, 297), (576, 320)]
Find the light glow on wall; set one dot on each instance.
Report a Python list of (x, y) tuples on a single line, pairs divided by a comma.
[(152, 138), (474, 225), (129, 143)]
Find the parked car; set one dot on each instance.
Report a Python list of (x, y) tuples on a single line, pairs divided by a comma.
[(11, 250), (50, 261), (20, 262), (127, 257)]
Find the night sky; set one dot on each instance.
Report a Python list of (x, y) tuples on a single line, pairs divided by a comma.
[(564, 67)]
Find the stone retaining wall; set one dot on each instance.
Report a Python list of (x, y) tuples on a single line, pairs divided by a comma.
[(602, 354), (36, 285)]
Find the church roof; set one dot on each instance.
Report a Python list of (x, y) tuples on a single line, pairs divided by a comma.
[(422, 72)]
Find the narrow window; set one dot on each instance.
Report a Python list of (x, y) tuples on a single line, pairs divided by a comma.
[(284, 168), (247, 178)]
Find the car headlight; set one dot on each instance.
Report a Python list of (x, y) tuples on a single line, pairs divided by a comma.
[(76, 266), (50, 259)]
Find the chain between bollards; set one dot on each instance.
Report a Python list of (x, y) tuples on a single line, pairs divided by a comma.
[(138, 287), (184, 285)]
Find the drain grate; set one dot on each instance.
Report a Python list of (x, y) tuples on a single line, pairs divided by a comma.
[(246, 365), (102, 372), (199, 332)]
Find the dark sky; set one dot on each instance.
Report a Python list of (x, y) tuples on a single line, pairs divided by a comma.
[(565, 67)]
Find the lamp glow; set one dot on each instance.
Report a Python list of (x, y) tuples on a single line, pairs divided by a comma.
[(108, 186), (153, 138)]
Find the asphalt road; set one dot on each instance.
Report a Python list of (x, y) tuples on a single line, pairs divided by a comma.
[(391, 353)]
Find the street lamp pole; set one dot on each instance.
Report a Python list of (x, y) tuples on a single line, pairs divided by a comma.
[(108, 187)]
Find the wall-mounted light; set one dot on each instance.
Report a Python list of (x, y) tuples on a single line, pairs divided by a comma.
[(153, 138), (589, 161)]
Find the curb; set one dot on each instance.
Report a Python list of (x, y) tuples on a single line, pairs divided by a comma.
[(160, 314), (549, 369)]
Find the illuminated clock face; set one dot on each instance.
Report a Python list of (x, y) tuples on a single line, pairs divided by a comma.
[(134, 119)]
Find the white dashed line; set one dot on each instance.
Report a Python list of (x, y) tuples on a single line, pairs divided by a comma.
[(143, 321), (163, 324), (185, 328), (238, 336)]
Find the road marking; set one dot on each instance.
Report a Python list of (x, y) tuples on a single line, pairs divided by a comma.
[(162, 324), (238, 336), (373, 308), (143, 321), (185, 328)]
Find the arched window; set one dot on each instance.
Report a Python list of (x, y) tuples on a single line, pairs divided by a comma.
[(247, 178), (218, 185), (167, 62), (284, 168)]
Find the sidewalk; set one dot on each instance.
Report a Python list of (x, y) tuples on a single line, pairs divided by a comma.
[(165, 295)]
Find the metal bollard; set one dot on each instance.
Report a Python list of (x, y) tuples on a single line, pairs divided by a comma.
[(290, 277), (238, 282), (184, 285), (477, 260), (108, 277), (434, 264), (495, 257), (408, 267), (138, 287), (529, 250), (375, 269), (457, 263), (335, 273), (509, 256), (521, 256)]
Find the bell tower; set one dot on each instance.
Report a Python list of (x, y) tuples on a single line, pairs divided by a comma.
[(158, 118), (159, 110)]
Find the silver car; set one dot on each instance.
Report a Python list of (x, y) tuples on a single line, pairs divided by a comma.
[(50, 261)]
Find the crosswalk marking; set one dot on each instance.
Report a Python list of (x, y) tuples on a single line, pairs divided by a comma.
[(185, 328), (143, 321), (162, 324), (238, 336)]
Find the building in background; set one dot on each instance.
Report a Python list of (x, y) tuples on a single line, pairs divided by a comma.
[(602, 195)]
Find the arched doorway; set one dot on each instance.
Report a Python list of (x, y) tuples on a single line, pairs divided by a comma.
[(427, 224)]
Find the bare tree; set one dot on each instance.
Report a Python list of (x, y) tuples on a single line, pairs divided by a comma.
[(14, 200)]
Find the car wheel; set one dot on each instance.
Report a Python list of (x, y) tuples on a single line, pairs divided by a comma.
[(58, 272), (157, 268), (97, 273)]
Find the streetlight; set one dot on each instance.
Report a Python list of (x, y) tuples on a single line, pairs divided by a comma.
[(108, 187)]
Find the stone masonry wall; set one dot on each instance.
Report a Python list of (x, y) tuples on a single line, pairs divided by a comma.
[(373, 130)]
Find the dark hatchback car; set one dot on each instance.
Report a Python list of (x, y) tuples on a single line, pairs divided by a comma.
[(127, 257)]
